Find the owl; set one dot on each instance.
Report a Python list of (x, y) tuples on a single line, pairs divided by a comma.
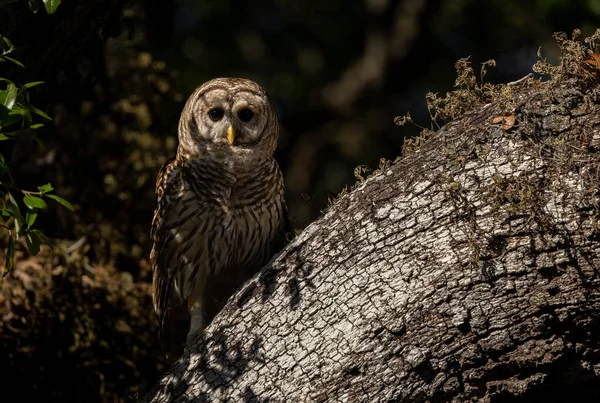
[(221, 213)]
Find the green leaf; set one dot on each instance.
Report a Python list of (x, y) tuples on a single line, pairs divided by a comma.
[(9, 95), (18, 222), (36, 110), (3, 114), (15, 61), (16, 213), (27, 120), (10, 255), (15, 115), (34, 202), (51, 5), (33, 242), (61, 201), (40, 112), (30, 217), (40, 234), (45, 188), (19, 114), (34, 5), (11, 47), (31, 85), (36, 126)]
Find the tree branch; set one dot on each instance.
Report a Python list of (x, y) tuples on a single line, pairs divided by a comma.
[(466, 271)]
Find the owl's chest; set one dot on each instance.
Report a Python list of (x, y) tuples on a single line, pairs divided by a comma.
[(245, 220), (241, 224), (233, 218), (247, 232)]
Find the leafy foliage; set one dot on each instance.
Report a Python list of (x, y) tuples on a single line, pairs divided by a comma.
[(17, 117), (49, 5)]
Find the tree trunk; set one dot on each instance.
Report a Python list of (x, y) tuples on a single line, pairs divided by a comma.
[(466, 271)]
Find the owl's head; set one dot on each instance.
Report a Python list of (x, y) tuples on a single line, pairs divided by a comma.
[(230, 115)]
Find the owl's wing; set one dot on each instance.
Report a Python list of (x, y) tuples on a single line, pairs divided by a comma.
[(286, 229), (162, 258)]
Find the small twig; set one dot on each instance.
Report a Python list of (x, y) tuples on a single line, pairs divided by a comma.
[(520, 80), (76, 245), (25, 192)]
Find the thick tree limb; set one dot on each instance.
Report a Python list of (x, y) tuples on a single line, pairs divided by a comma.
[(466, 271)]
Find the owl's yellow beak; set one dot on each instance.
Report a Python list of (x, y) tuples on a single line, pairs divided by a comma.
[(230, 134)]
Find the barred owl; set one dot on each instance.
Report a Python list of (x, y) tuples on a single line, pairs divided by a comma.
[(221, 213)]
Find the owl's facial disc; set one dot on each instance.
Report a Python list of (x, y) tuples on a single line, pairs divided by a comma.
[(234, 119)]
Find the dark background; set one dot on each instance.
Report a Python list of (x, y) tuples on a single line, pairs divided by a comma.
[(117, 74), (339, 72)]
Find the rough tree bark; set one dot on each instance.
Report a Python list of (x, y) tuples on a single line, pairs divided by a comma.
[(466, 271)]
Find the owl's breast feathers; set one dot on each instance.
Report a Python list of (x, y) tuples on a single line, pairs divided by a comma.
[(213, 219)]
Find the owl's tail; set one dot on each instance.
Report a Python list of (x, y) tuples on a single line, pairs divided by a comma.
[(173, 334)]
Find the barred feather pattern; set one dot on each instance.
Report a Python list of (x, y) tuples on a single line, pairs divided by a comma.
[(215, 225)]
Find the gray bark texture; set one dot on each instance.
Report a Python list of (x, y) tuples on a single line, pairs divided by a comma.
[(465, 271)]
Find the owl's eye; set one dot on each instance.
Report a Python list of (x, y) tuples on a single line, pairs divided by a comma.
[(216, 114), (245, 115)]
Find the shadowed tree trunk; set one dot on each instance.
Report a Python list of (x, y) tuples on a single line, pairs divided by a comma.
[(466, 271)]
